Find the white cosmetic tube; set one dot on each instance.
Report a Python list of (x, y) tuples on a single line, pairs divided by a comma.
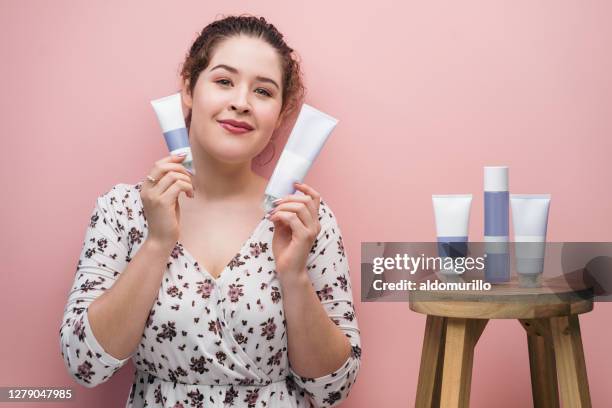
[(308, 136), (169, 112), (530, 221), (452, 213)]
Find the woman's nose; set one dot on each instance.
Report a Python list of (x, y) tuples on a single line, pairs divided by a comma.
[(240, 102), (239, 107)]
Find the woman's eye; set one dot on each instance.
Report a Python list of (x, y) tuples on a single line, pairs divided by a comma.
[(264, 92), (227, 82), (223, 81)]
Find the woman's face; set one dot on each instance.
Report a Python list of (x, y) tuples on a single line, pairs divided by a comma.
[(242, 83)]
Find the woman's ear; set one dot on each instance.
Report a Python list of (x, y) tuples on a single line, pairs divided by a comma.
[(186, 95)]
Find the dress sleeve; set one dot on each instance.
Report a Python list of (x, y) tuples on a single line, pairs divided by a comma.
[(104, 256), (329, 272)]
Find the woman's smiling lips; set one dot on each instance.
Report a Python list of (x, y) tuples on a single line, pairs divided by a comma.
[(235, 126)]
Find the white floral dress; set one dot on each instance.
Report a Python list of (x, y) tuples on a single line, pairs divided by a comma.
[(207, 342)]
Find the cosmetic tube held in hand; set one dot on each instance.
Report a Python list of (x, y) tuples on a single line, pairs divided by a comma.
[(452, 213), (530, 221), (496, 224), (169, 112), (311, 130)]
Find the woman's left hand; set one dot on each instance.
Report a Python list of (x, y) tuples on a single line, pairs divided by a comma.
[(296, 226)]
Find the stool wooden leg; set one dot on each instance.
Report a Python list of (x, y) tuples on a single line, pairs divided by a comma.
[(569, 355), (432, 358), (461, 338), (542, 363)]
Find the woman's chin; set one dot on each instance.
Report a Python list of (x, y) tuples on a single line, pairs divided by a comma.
[(233, 158)]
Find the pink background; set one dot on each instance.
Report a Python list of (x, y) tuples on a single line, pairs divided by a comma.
[(427, 93)]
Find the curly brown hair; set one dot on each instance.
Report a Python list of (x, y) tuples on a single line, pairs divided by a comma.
[(200, 53)]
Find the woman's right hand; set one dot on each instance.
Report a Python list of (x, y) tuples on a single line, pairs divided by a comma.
[(160, 199)]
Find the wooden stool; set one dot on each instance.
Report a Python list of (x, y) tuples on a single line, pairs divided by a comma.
[(455, 321)]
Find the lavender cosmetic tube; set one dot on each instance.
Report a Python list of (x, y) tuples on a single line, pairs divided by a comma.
[(496, 224), (169, 112)]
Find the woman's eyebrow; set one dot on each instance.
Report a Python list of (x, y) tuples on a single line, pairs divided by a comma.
[(235, 71)]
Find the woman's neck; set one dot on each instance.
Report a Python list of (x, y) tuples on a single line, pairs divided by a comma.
[(218, 182)]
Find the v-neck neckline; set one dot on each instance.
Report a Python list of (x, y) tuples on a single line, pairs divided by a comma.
[(201, 266)]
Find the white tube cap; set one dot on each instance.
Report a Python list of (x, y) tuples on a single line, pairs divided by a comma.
[(496, 178)]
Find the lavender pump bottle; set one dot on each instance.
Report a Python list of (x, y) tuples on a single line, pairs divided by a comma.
[(496, 224)]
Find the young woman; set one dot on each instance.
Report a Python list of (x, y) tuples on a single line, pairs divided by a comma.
[(167, 279)]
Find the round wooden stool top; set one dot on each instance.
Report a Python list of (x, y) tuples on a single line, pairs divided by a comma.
[(560, 296)]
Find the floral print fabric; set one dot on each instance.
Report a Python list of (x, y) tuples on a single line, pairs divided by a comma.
[(207, 342)]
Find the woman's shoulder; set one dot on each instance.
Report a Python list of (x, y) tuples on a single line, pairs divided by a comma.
[(122, 190), (122, 198), (326, 215), (122, 209)]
